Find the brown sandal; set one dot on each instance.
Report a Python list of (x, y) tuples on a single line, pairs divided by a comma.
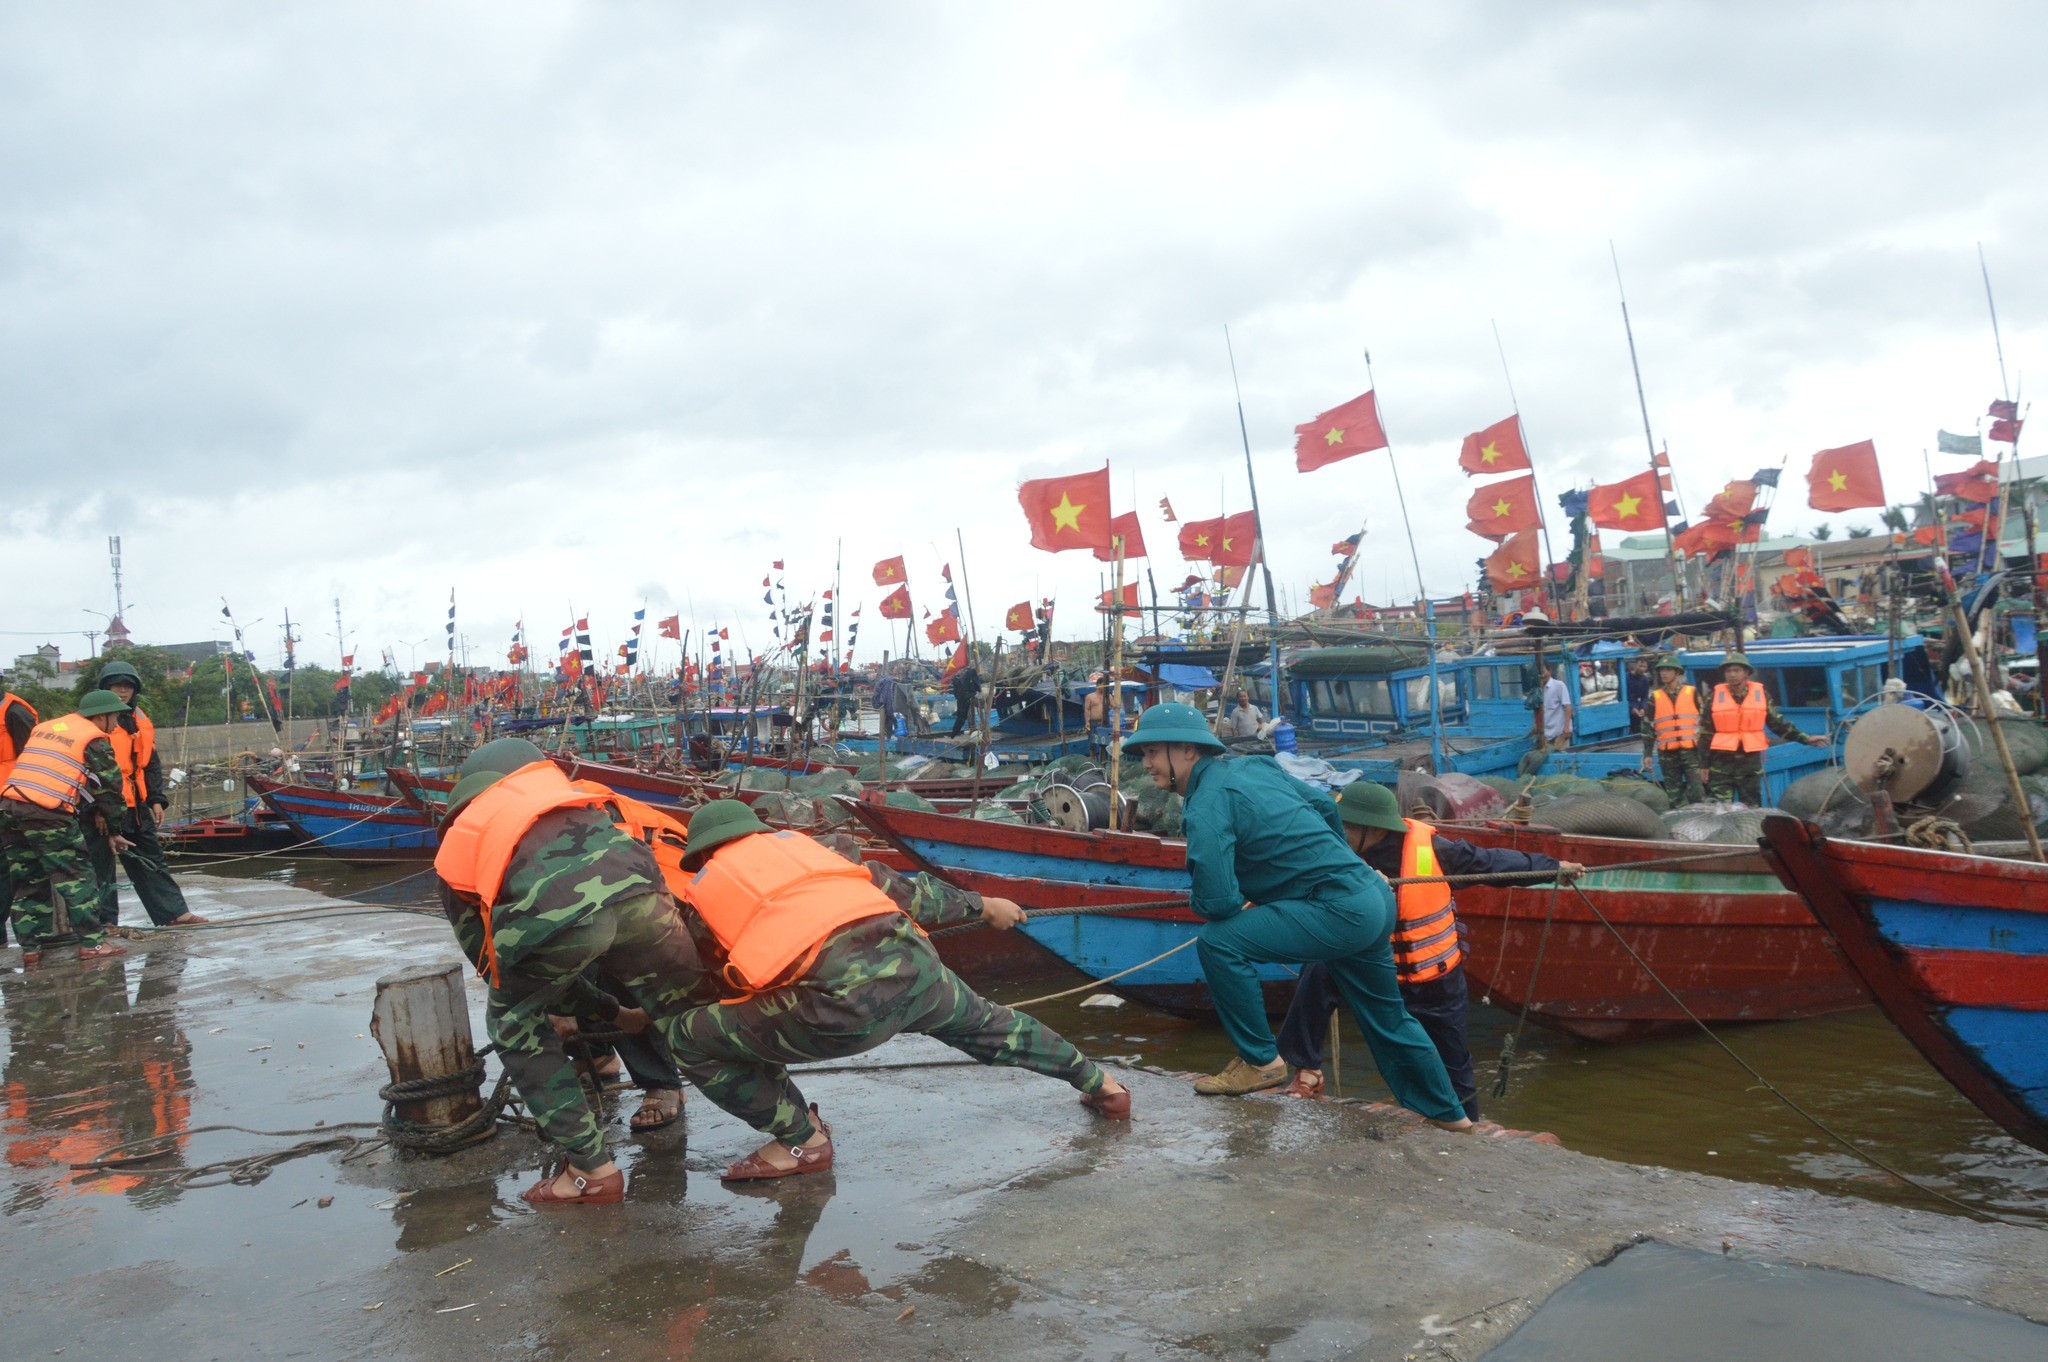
[(656, 1100), (754, 1168), (106, 950), (1306, 1083), (589, 1191)]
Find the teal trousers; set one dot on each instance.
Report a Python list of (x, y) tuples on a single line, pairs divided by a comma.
[(1349, 935)]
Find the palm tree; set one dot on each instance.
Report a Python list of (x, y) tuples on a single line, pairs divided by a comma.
[(1860, 531), (1823, 532), (1894, 518)]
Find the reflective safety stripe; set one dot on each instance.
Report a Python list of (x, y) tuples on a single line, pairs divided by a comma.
[(1739, 726), (1426, 929), (1678, 721), (51, 770)]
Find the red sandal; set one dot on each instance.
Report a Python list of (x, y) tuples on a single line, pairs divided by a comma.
[(1303, 1085), (589, 1191), (754, 1168)]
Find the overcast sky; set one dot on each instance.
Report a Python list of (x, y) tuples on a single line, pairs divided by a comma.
[(571, 306)]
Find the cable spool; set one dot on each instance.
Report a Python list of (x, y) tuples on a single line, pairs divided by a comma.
[(1076, 809), (1915, 754)]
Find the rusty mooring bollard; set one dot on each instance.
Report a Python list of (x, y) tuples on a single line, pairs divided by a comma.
[(421, 1021)]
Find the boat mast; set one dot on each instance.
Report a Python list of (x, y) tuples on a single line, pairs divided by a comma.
[(1649, 442), (1279, 697), (1522, 430)]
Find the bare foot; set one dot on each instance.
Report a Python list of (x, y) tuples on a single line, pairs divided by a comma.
[(1461, 1125)]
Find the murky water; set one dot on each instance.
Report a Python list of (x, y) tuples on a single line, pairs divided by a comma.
[(1700, 1308), (1676, 1102)]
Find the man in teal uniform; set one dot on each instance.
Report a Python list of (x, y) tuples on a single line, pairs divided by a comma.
[(1278, 885)]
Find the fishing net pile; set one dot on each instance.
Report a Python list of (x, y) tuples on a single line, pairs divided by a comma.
[(1716, 823)]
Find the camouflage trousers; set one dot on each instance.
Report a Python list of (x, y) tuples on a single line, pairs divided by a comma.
[(56, 894), (1684, 779), (1737, 776), (641, 942), (147, 870), (872, 980)]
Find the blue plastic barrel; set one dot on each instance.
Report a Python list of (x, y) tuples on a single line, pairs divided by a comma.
[(1283, 737)]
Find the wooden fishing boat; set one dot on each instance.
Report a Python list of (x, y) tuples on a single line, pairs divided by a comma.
[(1734, 943), (365, 829), (1722, 932), (1955, 950), (257, 831)]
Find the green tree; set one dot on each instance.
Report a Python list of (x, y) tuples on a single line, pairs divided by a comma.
[(1860, 531), (1895, 519), (1823, 532)]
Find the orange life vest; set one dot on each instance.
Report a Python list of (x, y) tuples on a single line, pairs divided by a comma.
[(134, 751), (1740, 727), (8, 701), (478, 846), (771, 899), (50, 769), (1678, 721), (1426, 925)]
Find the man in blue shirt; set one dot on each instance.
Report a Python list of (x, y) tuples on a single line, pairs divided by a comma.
[(1278, 885)]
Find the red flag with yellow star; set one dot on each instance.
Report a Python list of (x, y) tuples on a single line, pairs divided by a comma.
[(1845, 479), (1068, 513), (1635, 503), (889, 572), (1226, 539), (1019, 618), (896, 605), (1497, 449), (1338, 433), (1133, 535), (1502, 508), (1513, 566)]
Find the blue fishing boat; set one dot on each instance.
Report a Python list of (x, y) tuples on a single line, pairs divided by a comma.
[(1954, 948), (352, 826)]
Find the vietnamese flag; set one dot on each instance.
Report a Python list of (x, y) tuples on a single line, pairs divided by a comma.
[(1845, 479), (1238, 536), (1198, 538), (1103, 606), (1133, 536), (896, 605), (1068, 513), (1019, 618), (2006, 430), (1635, 503), (1979, 482), (1497, 449), (890, 570), (1736, 500), (672, 627), (1513, 566), (944, 629), (1502, 508), (1338, 433)]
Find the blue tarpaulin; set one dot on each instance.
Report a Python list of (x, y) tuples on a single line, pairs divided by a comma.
[(1187, 678)]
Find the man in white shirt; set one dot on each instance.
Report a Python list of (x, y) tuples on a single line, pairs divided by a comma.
[(1246, 718), (1552, 729)]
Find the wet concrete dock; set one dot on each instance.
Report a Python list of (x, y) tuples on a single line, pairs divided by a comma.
[(974, 1213)]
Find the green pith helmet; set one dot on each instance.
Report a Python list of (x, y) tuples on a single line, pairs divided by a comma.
[(98, 702), (1366, 804), (719, 822), (503, 755), (1738, 660), (120, 671), (1171, 722), (466, 789), (1670, 660)]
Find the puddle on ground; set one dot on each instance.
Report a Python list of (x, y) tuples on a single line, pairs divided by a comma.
[(1679, 1305)]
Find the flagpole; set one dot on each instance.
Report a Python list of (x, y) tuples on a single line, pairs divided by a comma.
[(1116, 688), (1400, 496), (1522, 429), (1649, 441), (1278, 698)]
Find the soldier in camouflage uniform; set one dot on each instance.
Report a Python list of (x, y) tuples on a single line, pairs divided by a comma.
[(1735, 762), (66, 770), (866, 981), (1678, 752), (577, 891)]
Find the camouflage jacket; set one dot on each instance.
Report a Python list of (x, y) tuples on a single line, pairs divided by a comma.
[(1773, 720), (929, 900), (569, 865)]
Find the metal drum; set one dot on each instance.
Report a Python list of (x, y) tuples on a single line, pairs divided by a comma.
[(1077, 809), (1916, 754)]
